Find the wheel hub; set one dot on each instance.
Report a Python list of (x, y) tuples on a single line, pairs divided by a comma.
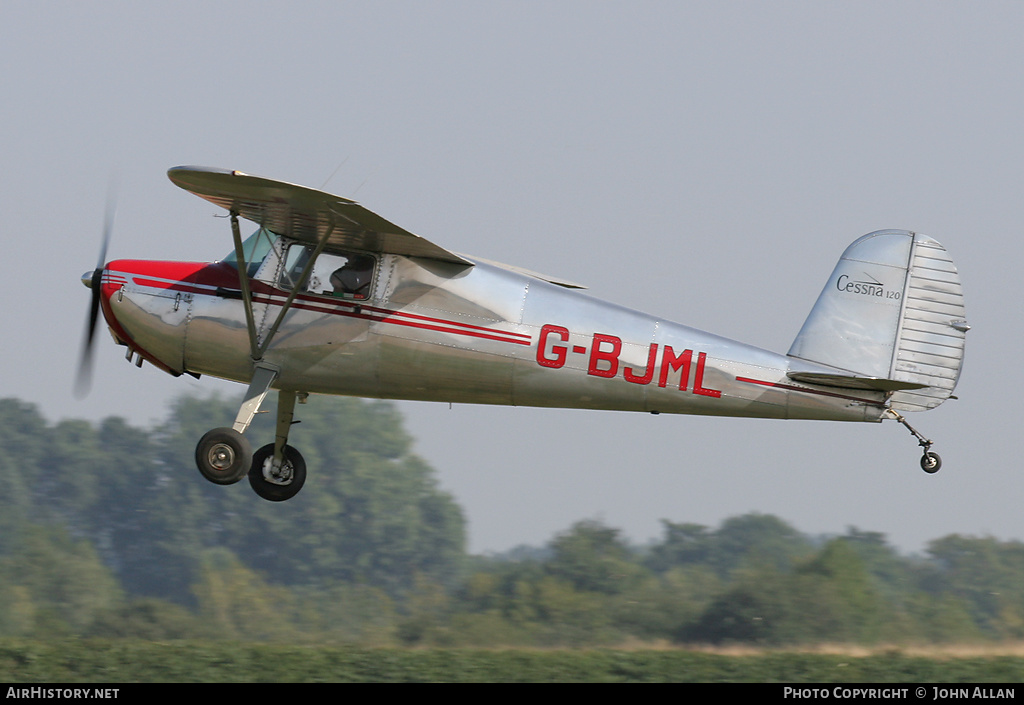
[(222, 456), (278, 473)]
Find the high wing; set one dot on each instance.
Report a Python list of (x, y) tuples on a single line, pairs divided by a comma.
[(306, 214)]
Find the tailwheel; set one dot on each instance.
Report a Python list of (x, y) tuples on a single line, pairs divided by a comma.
[(277, 481), (930, 462), (223, 456)]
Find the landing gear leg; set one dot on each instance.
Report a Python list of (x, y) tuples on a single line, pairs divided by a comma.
[(278, 470), (930, 462)]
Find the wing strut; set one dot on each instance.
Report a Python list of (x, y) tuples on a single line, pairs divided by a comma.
[(306, 271), (257, 349), (243, 282)]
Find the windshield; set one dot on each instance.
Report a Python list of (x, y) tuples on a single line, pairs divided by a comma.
[(255, 249)]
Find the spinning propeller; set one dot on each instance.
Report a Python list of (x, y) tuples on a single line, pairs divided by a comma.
[(83, 380)]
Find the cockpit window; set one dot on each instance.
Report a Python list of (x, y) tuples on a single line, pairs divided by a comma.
[(255, 249), (342, 274)]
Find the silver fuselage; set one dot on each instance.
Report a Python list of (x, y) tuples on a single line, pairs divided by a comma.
[(439, 331)]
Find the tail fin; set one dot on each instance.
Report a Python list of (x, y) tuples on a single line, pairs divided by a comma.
[(890, 318)]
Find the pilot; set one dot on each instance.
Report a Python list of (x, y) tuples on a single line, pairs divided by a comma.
[(353, 278)]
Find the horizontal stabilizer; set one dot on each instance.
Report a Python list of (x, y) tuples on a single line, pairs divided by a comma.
[(853, 382)]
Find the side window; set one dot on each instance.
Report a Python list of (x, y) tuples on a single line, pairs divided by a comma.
[(347, 275), (294, 262)]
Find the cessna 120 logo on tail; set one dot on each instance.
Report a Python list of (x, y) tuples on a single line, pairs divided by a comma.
[(868, 287)]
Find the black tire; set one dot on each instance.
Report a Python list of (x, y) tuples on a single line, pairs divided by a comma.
[(288, 485), (931, 462), (223, 456)]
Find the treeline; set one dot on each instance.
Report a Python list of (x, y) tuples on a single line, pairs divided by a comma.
[(108, 531)]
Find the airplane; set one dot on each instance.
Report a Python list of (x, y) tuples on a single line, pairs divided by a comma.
[(326, 297)]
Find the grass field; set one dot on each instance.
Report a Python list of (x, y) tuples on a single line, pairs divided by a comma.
[(82, 661)]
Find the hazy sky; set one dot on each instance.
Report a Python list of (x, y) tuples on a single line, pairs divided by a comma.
[(703, 161)]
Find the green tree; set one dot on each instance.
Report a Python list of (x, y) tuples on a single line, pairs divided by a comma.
[(57, 584), (857, 612), (940, 619), (571, 617), (151, 619), (24, 442), (663, 604), (828, 597), (891, 574), (237, 604), (683, 544), (346, 613), (988, 575), (592, 557), (757, 540), (757, 609)]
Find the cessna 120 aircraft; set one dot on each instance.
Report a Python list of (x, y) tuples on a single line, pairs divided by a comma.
[(326, 297)]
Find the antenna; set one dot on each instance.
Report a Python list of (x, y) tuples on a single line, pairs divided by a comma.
[(333, 173)]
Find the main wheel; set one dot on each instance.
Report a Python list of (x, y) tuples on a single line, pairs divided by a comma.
[(277, 484), (931, 462), (223, 456)]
